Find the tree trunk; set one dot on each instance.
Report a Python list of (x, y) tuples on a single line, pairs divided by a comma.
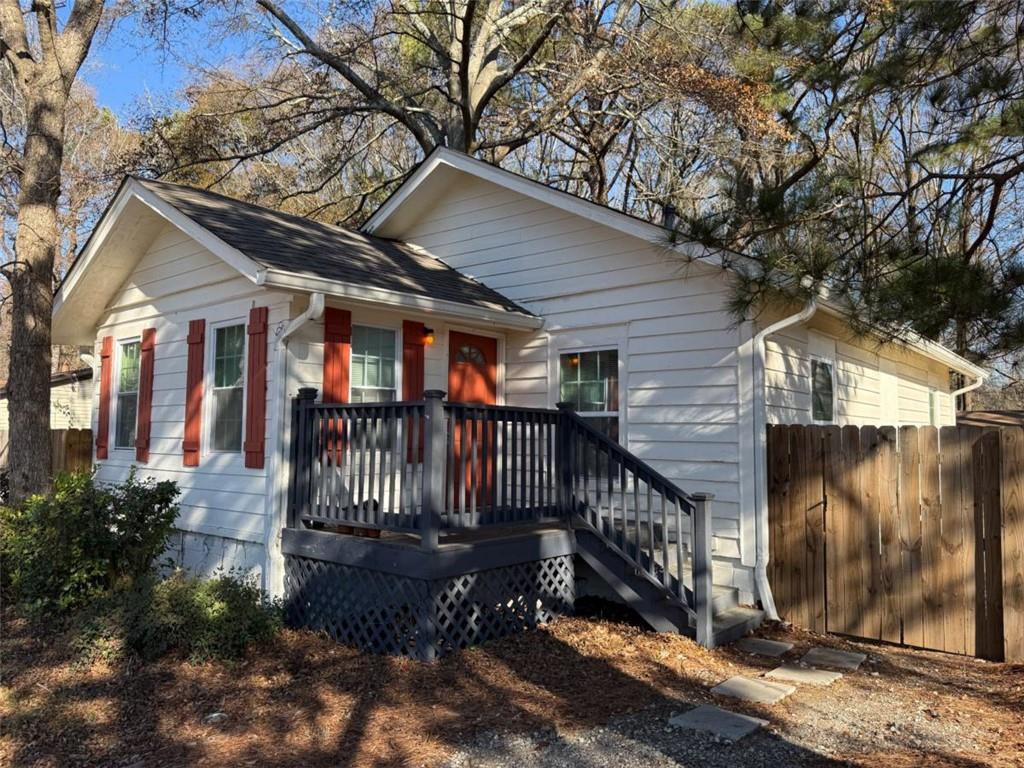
[(36, 247)]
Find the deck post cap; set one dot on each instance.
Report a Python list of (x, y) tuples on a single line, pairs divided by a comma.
[(434, 394), (307, 393)]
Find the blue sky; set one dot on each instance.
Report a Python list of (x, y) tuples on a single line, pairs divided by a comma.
[(126, 66)]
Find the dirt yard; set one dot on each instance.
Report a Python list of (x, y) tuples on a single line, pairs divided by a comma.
[(307, 701)]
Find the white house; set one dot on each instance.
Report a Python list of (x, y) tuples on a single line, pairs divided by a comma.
[(198, 305)]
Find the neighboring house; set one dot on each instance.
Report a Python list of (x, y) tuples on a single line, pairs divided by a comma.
[(472, 280), (71, 399)]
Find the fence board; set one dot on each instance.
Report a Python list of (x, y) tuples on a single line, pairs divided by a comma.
[(1012, 484), (931, 543), (889, 546), (834, 531), (911, 603)]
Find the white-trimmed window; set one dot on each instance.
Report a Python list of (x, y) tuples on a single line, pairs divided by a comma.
[(589, 380), (227, 407), (823, 390), (128, 358), (373, 364)]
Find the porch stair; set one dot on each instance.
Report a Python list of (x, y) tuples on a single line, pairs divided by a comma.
[(652, 601), (629, 522)]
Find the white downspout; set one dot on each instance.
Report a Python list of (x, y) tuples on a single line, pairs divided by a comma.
[(281, 468), (969, 388), (764, 589)]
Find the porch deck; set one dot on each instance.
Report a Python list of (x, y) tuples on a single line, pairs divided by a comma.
[(420, 527)]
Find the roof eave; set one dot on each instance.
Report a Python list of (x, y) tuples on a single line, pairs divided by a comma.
[(919, 344), (496, 317)]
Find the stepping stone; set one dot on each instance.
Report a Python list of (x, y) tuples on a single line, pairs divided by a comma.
[(796, 674), (724, 724), (830, 657), (755, 691), (763, 647)]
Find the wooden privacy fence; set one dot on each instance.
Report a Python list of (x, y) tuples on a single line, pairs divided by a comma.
[(71, 449), (910, 535)]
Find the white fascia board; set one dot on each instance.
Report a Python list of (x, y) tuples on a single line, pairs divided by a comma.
[(598, 214), (918, 344), (396, 299), (232, 256), (133, 190), (81, 264)]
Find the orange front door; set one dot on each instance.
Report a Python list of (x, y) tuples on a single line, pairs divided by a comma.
[(472, 378)]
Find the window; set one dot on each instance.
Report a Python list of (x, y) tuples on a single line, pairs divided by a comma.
[(590, 382), (373, 365), (822, 390), (228, 400), (127, 395)]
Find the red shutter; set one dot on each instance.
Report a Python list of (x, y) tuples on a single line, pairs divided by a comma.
[(194, 392), (337, 354), (414, 338), (256, 393), (103, 419), (145, 394)]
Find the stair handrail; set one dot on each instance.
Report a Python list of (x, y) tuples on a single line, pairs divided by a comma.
[(646, 470)]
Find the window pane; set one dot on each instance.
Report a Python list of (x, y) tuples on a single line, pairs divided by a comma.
[(124, 432), (590, 380), (373, 364), (229, 356), (821, 391), (128, 379), (227, 419)]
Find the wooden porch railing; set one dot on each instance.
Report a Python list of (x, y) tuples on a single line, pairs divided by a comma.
[(429, 468)]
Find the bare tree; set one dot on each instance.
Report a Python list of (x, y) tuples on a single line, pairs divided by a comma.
[(44, 60)]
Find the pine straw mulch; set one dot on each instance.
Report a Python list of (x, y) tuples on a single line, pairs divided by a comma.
[(304, 700)]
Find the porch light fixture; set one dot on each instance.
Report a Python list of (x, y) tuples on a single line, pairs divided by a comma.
[(428, 336)]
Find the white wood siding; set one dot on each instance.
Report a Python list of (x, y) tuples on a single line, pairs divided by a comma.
[(176, 281), (874, 384), (597, 288), (70, 406)]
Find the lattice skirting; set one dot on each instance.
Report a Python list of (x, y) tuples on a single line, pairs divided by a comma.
[(424, 619)]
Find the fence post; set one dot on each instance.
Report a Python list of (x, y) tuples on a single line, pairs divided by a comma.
[(702, 567), (433, 468), (563, 453), (301, 453)]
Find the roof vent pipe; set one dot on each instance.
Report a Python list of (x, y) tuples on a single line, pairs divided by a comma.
[(669, 216)]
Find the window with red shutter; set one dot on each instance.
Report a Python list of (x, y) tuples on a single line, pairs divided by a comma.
[(194, 392), (256, 394), (103, 417), (145, 407)]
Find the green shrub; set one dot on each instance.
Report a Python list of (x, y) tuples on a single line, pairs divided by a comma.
[(64, 549), (199, 618)]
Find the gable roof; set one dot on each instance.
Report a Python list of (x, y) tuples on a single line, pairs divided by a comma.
[(441, 168), (269, 248), (282, 242)]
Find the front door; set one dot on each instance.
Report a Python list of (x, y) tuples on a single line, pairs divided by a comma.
[(472, 378)]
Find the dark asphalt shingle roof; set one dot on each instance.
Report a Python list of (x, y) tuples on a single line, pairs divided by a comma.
[(300, 246)]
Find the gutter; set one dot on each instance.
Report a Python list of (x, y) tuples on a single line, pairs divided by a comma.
[(764, 589), (278, 476)]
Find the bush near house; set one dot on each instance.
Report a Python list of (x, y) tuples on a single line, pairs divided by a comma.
[(63, 549), (85, 553)]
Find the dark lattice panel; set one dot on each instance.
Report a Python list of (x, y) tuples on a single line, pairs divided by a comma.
[(385, 613), (375, 611), (476, 607)]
